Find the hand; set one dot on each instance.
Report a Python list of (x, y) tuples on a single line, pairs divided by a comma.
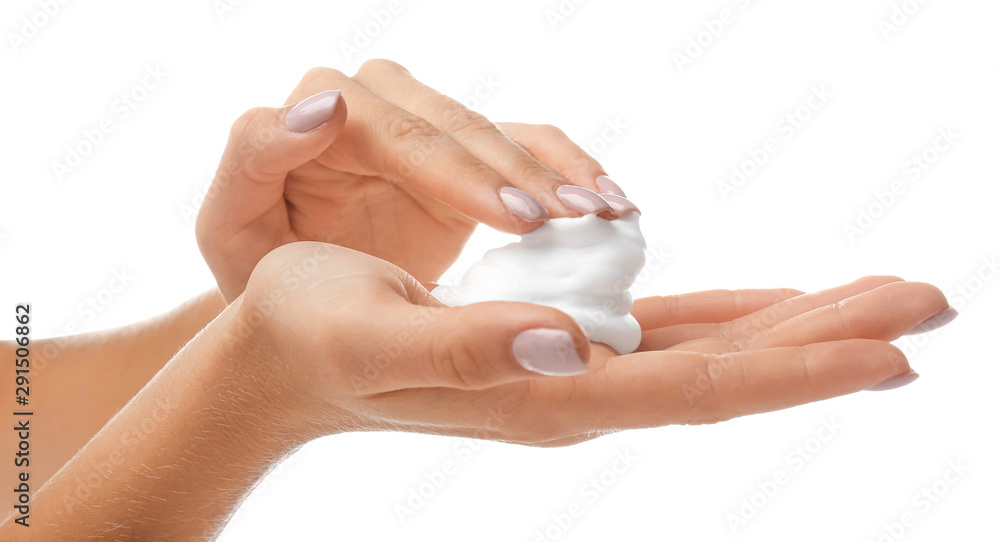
[(361, 345), (404, 175)]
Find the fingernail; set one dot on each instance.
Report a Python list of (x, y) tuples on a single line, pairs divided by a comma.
[(620, 205), (312, 111), (548, 351), (582, 200), (522, 205), (606, 185), (941, 319), (895, 382)]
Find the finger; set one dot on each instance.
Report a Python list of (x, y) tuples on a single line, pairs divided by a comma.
[(712, 306), (552, 146), (264, 145), (391, 142), (716, 336), (474, 346), (657, 388), (482, 138), (885, 313), (668, 321)]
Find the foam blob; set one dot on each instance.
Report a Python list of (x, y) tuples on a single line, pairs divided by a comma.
[(582, 266)]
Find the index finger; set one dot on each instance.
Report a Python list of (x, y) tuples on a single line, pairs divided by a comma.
[(380, 138), (483, 139)]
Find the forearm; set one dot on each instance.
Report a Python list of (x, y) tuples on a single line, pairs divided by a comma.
[(79, 382), (176, 461)]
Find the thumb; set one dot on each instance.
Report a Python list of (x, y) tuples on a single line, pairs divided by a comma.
[(264, 145), (478, 346)]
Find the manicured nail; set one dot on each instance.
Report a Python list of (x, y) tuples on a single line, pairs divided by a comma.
[(582, 200), (895, 382), (548, 351), (522, 205), (941, 319), (606, 185), (312, 111), (620, 204)]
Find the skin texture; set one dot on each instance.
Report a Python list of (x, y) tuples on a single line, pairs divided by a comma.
[(321, 339), (80, 382), (399, 171), (251, 389)]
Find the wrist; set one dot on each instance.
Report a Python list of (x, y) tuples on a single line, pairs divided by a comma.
[(272, 364)]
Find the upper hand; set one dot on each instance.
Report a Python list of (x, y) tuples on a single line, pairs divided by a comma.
[(388, 167)]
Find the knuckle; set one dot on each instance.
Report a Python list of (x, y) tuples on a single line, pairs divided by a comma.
[(456, 118), (409, 126), (529, 168), (549, 130), (321, 73), (249, 124), (376, 65), (715, 378), (454, 361)]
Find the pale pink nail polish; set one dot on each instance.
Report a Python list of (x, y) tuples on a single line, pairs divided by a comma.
[(548, 351), (941, 319), (522, 205), (606, 185), (895, 382), (312, 111), (620, 205), (582, 200)]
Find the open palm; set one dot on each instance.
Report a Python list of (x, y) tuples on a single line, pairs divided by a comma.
[(705, 357)]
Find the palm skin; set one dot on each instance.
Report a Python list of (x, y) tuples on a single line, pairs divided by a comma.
[(337, 200)]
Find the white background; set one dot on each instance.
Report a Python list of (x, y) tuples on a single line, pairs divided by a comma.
[(123, 208)]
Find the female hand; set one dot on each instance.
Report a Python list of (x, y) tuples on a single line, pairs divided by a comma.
[(387, 166), (360, 345)]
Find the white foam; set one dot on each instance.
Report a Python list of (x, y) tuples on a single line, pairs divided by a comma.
[(582, 266)]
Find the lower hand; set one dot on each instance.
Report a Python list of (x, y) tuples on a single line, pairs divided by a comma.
[(362, 346)]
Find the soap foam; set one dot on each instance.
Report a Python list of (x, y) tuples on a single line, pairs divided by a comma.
[(582, 266)]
